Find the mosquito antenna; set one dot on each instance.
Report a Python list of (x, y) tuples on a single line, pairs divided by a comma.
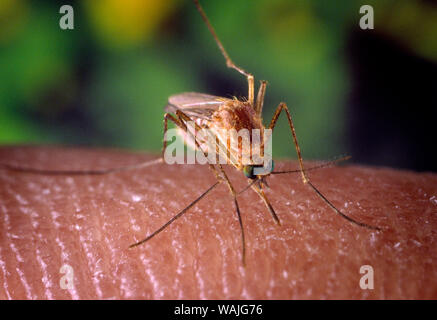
[(82, 172), (327, 164), (361, 224), (175, 217), (217, 40), (229, 62)]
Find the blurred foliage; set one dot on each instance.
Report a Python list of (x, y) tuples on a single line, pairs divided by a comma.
[(126, 23), (106, 82)]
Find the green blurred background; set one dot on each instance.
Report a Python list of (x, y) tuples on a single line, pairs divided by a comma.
[(368, 93)]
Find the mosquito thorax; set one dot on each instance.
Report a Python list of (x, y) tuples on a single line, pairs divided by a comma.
[(236, 114)]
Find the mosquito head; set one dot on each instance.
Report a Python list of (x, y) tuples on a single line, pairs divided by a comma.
[(253, 171), (248, 172)]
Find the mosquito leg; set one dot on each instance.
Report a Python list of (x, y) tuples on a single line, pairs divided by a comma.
[(180, 214), (179, 122), (229, 63), (182, 117), (97, 171), (164, 141), (283, 106), (91, 172), (260, 98), (222, 177), (12, 167), (240, 220), (305, 179), (266, 201), (243, 241)]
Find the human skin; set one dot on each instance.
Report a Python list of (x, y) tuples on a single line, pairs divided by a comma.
[(88, 223)]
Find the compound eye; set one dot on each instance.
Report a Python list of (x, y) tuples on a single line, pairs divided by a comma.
[(248, 172)]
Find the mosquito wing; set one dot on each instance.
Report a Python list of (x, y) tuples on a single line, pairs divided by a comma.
[(195, 105), (198, 106)]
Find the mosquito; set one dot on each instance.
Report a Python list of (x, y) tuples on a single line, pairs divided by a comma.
[(207, 111)]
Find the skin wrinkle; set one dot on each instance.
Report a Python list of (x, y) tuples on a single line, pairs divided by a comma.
[(219, 258), (184, 260), (60, 250), (149, 282), (221, 265), (125, 286), (315, 254), (106, 255), (3, 260), (96, 271), (90, 263), (203, 284), (150, 275), (45, 278), (145, 264), (80, 252), (5, 288), (153, 272), (109, 252), (70, 254), (145, 282), (16, 256)]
